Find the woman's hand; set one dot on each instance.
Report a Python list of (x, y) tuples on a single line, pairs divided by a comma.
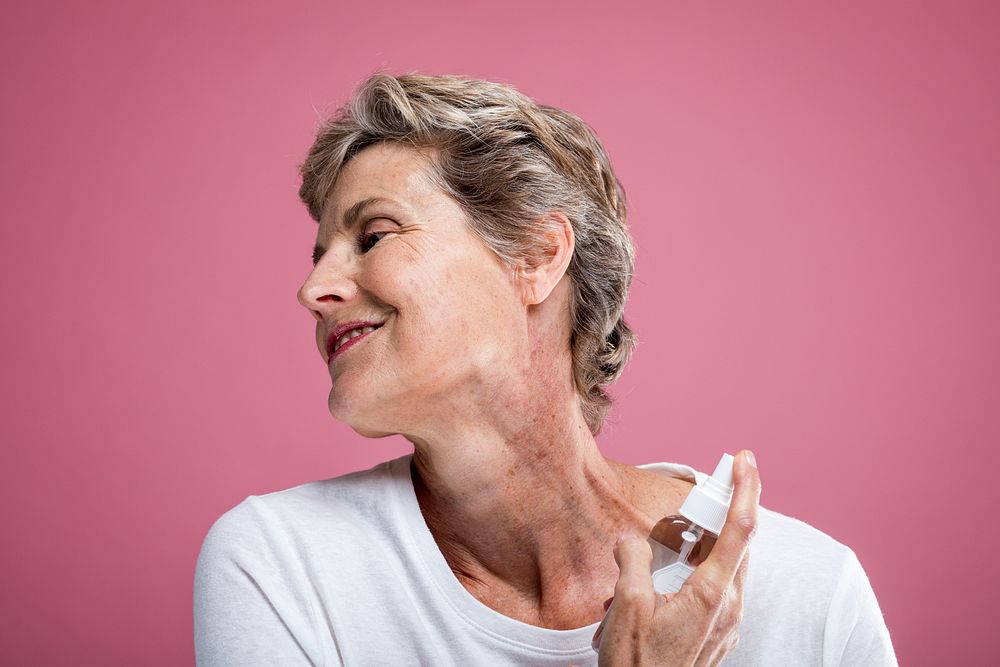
[(698, 624)]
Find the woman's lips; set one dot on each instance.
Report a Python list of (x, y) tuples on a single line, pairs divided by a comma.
[(343, 348)]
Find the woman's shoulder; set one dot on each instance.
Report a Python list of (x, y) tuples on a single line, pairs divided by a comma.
[(809, 593), (797, 549), (350, 503), (795, 536)]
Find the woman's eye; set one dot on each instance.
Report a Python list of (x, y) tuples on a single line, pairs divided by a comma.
[(366, 239)]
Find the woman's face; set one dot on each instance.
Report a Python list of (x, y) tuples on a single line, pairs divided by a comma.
[(452, 321)]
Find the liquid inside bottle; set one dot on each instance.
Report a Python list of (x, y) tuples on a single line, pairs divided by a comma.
[(679, 546)]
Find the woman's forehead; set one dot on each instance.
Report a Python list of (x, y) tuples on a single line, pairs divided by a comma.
[(388, 172)]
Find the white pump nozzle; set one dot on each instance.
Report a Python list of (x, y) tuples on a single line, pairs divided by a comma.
[(708, 502)]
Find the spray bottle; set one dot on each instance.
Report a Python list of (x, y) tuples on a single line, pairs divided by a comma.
[(682, 541)]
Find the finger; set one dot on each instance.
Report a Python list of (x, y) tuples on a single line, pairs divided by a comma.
[(740, 527), (634, 589), (634, 597)]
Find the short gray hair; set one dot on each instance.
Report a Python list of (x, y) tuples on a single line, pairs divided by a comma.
[(506, 161)]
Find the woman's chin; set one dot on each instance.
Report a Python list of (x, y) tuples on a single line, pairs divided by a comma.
[(368, 432), (353, 414), (344, 407)]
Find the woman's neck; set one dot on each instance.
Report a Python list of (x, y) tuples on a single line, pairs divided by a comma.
[(528, 523)]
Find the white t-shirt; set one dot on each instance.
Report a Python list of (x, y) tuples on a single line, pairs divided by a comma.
[(345, 571)]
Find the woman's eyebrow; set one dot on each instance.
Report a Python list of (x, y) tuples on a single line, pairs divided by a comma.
[(350, 219)]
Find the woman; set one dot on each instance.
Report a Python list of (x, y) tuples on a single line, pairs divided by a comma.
[(470, 274)]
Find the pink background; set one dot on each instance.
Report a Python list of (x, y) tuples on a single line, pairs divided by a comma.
[(814, 196)]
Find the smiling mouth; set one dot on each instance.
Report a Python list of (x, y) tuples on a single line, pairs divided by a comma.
[(350, 339)]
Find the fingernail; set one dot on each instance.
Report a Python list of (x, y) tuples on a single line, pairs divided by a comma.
[(750, 459)]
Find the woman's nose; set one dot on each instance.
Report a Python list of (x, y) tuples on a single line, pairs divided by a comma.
[(328, 283)]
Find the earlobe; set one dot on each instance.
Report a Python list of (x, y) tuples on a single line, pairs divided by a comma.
[(530, 293)]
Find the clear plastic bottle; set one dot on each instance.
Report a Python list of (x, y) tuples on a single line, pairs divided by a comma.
[(683, 541)]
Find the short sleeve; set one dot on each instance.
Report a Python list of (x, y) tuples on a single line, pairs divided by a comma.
[(855, 631), (243, 611)]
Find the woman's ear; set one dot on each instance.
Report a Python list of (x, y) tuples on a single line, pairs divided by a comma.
[(538, 281)]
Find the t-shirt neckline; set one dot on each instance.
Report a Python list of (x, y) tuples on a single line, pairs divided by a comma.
[(500, 628)]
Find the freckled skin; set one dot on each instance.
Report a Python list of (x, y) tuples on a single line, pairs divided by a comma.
[(474, 369)]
